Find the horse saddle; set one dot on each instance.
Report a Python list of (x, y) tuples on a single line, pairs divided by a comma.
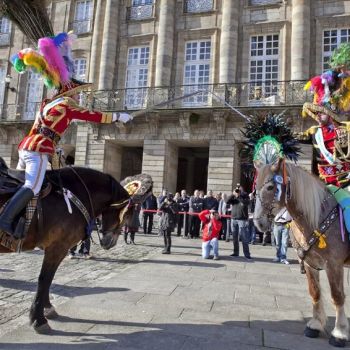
[(342, 196), (11, 180)]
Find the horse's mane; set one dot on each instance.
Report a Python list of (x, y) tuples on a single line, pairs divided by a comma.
[(308, 192)]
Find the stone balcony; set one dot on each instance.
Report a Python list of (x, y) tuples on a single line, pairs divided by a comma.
[(244, 95), (252, 95)]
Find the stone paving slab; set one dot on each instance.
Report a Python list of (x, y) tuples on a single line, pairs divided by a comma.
[(132, 297)]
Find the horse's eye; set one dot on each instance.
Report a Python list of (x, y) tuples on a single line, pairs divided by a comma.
[(270, 187)]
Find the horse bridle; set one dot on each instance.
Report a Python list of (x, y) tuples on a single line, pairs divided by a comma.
[(267, 206), (302, 250)]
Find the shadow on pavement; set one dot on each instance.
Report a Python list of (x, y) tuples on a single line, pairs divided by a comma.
[(109, 334), (59, 289), (185, 263)]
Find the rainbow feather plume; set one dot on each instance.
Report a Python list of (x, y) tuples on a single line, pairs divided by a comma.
[(54, 58)]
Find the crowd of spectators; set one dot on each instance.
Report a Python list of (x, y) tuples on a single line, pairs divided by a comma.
[(213, 217), (193, 217)]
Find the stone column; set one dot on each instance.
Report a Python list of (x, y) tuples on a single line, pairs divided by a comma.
[(222, 162), (300, 47), (113, 159), (81, 144), (165, 43), (228, 42), (109, 45), (96, 45), (160, 161), (171, 163)]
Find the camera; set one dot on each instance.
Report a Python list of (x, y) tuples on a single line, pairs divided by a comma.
[(237, 189)]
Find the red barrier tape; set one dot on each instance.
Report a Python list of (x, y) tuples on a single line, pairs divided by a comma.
[(180, 212)]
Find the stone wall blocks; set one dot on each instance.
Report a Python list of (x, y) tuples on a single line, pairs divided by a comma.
[(216, 182), (221, 164)]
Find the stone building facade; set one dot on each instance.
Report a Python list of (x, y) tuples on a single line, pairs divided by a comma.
[(253, 55)]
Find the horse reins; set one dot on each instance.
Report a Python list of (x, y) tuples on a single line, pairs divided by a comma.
[(92, 216)]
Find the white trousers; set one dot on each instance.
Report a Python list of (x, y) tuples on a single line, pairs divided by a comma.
[(34, 164)]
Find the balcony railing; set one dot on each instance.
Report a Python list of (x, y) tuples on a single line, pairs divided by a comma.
[(140, 12), (245, 95), (5, 39), (19, 111), (197, 6), (264, 2), (280, 93), (82, 27)]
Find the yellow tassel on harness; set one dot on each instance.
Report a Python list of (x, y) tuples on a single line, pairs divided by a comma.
[(321, 239)]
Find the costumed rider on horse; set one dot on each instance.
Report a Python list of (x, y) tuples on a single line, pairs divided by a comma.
[(331, 137), (53, 61)]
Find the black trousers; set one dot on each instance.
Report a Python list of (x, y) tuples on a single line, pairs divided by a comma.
[(195, 225), (147, 223), (180, 224), (167, 239)]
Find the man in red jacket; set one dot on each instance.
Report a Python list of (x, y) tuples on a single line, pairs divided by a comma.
[(211, 232), (53, 119)]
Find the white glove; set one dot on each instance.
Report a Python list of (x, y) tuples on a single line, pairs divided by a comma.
[(121, 117)]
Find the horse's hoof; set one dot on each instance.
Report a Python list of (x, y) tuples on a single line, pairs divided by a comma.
[(337, 342), (311, 333), (43, 329), (50, 313)]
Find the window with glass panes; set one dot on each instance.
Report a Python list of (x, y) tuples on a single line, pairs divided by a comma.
[(5, 28), (34, 94), (80, 74), (332, 38), (83, 10), (136, 77), (2, 85), (83, 16), (141, 2), (80, 69), (197, 71), (263, 67), (4, 25)]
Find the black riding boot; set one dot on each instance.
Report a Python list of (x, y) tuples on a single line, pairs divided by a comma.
[(16, 204)]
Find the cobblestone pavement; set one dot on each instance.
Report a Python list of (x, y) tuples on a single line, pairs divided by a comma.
[(133, 297), (19, 274)]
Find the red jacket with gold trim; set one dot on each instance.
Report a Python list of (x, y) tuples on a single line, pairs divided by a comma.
[(53, 119), (330, 173)]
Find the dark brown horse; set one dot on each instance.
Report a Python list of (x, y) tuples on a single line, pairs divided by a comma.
[(314, 212), (62, 230)]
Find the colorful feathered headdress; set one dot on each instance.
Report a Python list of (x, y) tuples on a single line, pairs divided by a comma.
[(52, 58), (269, 139), (331, 90)]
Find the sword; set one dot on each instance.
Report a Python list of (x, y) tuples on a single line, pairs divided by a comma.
[(248, 119), (164, 103)]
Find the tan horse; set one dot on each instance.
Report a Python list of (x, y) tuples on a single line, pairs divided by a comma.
[(312, 208)]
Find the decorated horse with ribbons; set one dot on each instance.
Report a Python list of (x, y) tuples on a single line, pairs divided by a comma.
[(73, 201), (317, 229)]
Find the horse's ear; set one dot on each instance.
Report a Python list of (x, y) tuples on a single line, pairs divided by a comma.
[(275, 167)]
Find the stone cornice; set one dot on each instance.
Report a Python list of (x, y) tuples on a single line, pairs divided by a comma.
[(153, 122), (185, 122), (220, 119)]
